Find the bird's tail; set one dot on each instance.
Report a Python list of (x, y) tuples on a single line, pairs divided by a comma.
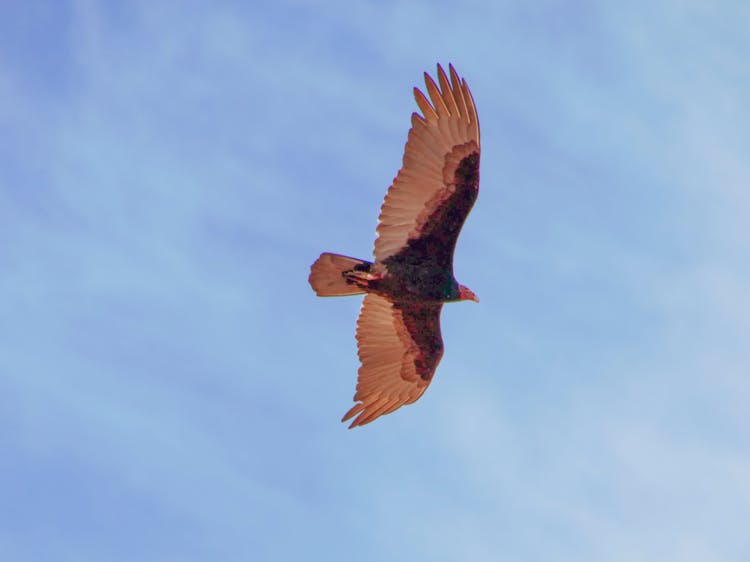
[(327, 275)]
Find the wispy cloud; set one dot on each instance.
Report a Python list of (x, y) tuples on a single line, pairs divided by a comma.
[(170, 388)]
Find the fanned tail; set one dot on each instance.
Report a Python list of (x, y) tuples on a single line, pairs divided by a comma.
[(327, 275)]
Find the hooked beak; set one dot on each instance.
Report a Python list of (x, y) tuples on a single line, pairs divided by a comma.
[(466, 294)]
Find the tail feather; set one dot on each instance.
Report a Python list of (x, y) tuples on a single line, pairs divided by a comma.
[(327, 279)]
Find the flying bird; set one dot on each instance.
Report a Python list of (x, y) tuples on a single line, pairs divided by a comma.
[(398, 329)]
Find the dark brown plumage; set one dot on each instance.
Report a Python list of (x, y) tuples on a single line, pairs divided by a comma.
[(398, 330)]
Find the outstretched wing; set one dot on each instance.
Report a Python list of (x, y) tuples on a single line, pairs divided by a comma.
[(399, 347), (437, 185)]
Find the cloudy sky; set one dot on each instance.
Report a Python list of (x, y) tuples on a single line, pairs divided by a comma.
[(170, 388)]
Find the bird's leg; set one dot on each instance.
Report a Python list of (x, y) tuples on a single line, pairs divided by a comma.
[(361, 278)]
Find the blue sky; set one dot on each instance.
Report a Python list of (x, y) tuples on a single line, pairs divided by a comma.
[(170, 388)]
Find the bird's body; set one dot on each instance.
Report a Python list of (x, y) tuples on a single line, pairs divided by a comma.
[(398, 331), (413, 282)]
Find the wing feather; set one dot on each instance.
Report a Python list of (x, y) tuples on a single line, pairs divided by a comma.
[(425, 105), (399, 347), (437, 99), (446, 132), (445, 87), (458, 92)]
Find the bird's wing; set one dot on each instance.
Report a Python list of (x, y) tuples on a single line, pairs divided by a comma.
[(399, 347), (438, 183)]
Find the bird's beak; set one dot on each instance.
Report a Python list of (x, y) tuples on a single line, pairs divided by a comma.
[(467, 294)]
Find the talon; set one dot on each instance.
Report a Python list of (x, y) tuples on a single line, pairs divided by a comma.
[(361, 279), (363, 275)]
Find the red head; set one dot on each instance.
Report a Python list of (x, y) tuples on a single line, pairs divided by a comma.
[(466, 294)]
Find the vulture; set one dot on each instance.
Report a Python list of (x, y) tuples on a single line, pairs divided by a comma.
[(398, 330)]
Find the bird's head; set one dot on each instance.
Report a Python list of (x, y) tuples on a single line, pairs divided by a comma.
[(466, 294)]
